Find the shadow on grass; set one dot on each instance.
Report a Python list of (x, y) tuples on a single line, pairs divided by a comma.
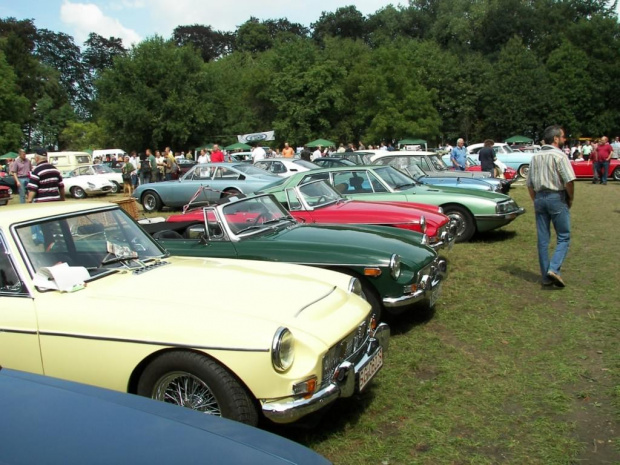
[(403, 323), (496, 235), (320, 426)]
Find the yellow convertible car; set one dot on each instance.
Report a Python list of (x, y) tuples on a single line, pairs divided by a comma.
[(86, 295)]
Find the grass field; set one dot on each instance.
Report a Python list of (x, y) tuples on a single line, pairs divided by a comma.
[(503, 371)]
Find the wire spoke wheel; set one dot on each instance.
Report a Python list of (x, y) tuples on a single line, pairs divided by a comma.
[(186, 390)]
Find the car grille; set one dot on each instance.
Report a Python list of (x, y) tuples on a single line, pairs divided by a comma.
[(346, 349)]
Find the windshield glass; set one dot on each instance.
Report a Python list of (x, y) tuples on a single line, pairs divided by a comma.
[(305, 164), (250, 169), (254, 214), (319, 194), (395, 179), (102, 169), (84, 240), (438, 163)]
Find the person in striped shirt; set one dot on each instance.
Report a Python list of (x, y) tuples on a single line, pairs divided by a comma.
[(550, 184), (45, 183)]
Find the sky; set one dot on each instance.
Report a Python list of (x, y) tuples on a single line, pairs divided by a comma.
[(135, 20)]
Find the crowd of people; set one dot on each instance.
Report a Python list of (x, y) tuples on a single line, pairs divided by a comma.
[(38, 182)]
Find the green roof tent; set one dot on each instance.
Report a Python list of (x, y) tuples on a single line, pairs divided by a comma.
[(412, 142), (238, 146), (8, 155), (321, 142), (519, 140)]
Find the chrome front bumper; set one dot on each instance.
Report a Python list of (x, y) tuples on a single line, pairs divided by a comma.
[(502, 216), (428, 287), (344, 382), (446, 240)]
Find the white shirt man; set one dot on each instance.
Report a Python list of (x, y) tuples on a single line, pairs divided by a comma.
[(204, 157), (258, 154), (316, 154)]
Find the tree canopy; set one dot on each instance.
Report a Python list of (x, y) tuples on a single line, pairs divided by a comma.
[(430, 69)]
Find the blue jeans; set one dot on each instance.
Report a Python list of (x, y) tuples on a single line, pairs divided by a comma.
[(550, 208), (602, 167), (23, 192)]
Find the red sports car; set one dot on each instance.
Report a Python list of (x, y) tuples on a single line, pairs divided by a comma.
[(5, 195), (318, 202), (585, 169)]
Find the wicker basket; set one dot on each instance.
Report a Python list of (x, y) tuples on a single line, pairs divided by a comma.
[(130, 206)]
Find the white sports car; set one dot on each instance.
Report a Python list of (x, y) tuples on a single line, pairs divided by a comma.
[(82, 186)]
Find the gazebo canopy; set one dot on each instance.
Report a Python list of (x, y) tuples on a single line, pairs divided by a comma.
[(519, 140), (8, 155), (238, 146), (205, 146), (412, 142), (321, 142)]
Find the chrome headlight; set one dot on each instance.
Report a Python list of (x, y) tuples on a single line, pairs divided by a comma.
[(440, 210), (282, 349), (506, 207), (395, 266), (355, 287)]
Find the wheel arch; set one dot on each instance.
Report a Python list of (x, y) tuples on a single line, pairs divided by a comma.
[(134, 378)]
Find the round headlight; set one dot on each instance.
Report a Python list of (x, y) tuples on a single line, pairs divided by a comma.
[(355, 286), (395, 266), (282, 349)]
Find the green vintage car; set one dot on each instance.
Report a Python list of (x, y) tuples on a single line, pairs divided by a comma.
[(396, 267), (472, 211)]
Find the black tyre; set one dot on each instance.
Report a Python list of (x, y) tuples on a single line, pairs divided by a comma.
[(151, 202), (195, 381), (465, 222), (116, 188), (616, 174), (77, 192), (523, 170)]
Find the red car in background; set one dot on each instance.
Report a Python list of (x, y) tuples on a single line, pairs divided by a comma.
[(585, 169), (5, 195), (318, 202)]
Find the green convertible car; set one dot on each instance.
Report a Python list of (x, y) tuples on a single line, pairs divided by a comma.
[(395, 267), (472, 211)]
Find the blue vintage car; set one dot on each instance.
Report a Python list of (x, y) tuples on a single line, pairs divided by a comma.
[(515, 159), (52, 421), (217, 180)]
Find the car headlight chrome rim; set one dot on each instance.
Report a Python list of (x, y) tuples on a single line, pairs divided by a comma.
[(283, 349), (355, 287), (395, 266)]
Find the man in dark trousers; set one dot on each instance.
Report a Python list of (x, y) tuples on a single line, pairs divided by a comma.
[(486, 156)]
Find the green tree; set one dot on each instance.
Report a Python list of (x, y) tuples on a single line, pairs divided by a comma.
[(518, 93), (78, 135), (346, 23), (211, 44), (155, 96), (13, 109)]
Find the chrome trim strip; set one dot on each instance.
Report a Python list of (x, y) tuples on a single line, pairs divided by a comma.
[(314, 301), (500, 216), (155, 343), (18, 331)]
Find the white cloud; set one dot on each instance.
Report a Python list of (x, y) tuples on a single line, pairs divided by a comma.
[(84, 18)]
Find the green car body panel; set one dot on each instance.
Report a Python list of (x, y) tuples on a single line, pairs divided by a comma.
[(351, 249), (483, 206)]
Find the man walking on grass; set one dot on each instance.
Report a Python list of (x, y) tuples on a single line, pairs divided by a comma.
[(550, 184)]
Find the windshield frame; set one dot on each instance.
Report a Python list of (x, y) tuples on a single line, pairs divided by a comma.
[(120, 220)]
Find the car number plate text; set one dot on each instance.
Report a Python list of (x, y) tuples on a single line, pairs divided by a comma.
[(370, 369)]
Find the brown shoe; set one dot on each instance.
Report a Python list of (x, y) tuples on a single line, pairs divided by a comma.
[(556, 278)]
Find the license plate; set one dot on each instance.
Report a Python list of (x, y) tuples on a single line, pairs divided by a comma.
[(370, 369), (435, 293)]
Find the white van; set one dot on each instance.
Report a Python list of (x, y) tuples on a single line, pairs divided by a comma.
[(67, 161), (118, 153)]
